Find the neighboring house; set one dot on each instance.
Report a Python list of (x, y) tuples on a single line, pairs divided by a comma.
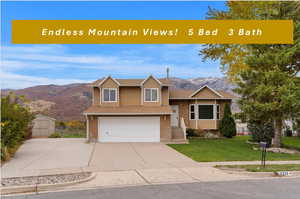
[(149, 110), (43, 126)]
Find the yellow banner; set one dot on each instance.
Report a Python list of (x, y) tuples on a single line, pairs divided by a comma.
[(152, 31)]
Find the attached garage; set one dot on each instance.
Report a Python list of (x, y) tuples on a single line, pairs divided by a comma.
[(129, 129)]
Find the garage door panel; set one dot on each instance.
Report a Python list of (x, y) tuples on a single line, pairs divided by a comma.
[(129, 129)]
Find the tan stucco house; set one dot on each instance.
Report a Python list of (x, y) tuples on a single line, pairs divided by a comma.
[(150, 110)]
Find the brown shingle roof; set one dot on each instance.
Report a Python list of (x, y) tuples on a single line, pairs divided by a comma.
[(123, 110), (131, 82), (183, 94)]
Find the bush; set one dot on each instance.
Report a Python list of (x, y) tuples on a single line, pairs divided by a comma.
[(288, 132), (15, 124), (55, 135), (191, 132), (261, 131), (227, 125)]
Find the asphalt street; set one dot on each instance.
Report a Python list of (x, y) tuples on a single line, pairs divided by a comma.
[(247, 189)]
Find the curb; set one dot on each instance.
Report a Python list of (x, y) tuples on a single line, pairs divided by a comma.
[(262, 174), (41, 187)]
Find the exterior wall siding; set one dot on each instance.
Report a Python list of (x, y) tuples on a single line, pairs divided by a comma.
[(165, 128), (130, 96), (93, 128), (96, 96), (165, 95), (206, 93)]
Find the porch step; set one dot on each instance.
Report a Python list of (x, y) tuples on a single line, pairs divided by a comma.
[(177, 133)]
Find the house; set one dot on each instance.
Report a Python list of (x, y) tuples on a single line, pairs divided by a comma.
[(150, 110), (43, 126)]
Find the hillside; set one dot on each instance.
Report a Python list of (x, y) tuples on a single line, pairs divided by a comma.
[(67, 102)]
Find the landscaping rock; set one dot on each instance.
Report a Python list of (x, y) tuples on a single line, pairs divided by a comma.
[(48, 179), (282, 150), (210, 135)]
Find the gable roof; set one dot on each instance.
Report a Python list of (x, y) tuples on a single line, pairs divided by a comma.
[(151, 76), (186, 94), (44, 116), (131, 82), (203, 87), (106, 78)]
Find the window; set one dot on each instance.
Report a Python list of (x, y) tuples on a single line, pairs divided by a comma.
[(218, 111), (205, 112), (109, 95), (192, 112), (151, 94)]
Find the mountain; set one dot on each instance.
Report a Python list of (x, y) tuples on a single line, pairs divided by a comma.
[(67, 102)]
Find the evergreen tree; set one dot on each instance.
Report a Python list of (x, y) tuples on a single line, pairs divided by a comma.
[(227, 125)]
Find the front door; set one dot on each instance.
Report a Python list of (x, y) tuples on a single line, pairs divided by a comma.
[(175, 115)]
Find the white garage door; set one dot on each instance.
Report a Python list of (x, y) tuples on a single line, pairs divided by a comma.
[(129, 129)]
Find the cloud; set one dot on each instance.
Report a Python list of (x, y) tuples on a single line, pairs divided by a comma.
[(15, 81), (59, 64)]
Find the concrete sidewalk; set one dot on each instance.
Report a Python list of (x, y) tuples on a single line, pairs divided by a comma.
[(205, 164), (158, 176)]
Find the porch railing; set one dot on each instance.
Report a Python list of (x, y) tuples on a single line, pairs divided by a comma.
[(183, 127)]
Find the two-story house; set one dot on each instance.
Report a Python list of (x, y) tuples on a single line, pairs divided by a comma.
[(150, 110)]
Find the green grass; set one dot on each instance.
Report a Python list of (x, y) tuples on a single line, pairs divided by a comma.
[(291, 142), (268, 168), (235, 149)]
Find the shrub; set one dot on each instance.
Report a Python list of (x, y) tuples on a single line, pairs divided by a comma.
[(227, 125), (15, 124), (261, 131), (191, 133), (55, 135), (288, 132)]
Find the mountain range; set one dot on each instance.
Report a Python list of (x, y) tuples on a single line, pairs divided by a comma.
[(67, 102)]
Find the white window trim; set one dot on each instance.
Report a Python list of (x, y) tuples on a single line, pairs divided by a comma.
[(217, 105), (158, 96), (196, 110), (195, 118), (116, 95)]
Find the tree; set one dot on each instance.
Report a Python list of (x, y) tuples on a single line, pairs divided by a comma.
[(267, 83), (227, 125), (232, 56), (261, 131), (268, 95)]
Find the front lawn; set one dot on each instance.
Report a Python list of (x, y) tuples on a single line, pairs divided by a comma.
[(292, 142), (235, 149), (268, 168)]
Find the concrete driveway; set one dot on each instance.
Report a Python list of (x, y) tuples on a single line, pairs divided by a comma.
[(132, 156), (40, 156)]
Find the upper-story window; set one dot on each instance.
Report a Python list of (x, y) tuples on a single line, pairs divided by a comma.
[(151, 94), (109, 95)]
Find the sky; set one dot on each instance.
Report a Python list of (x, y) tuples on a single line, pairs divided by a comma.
[(29, 65)]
